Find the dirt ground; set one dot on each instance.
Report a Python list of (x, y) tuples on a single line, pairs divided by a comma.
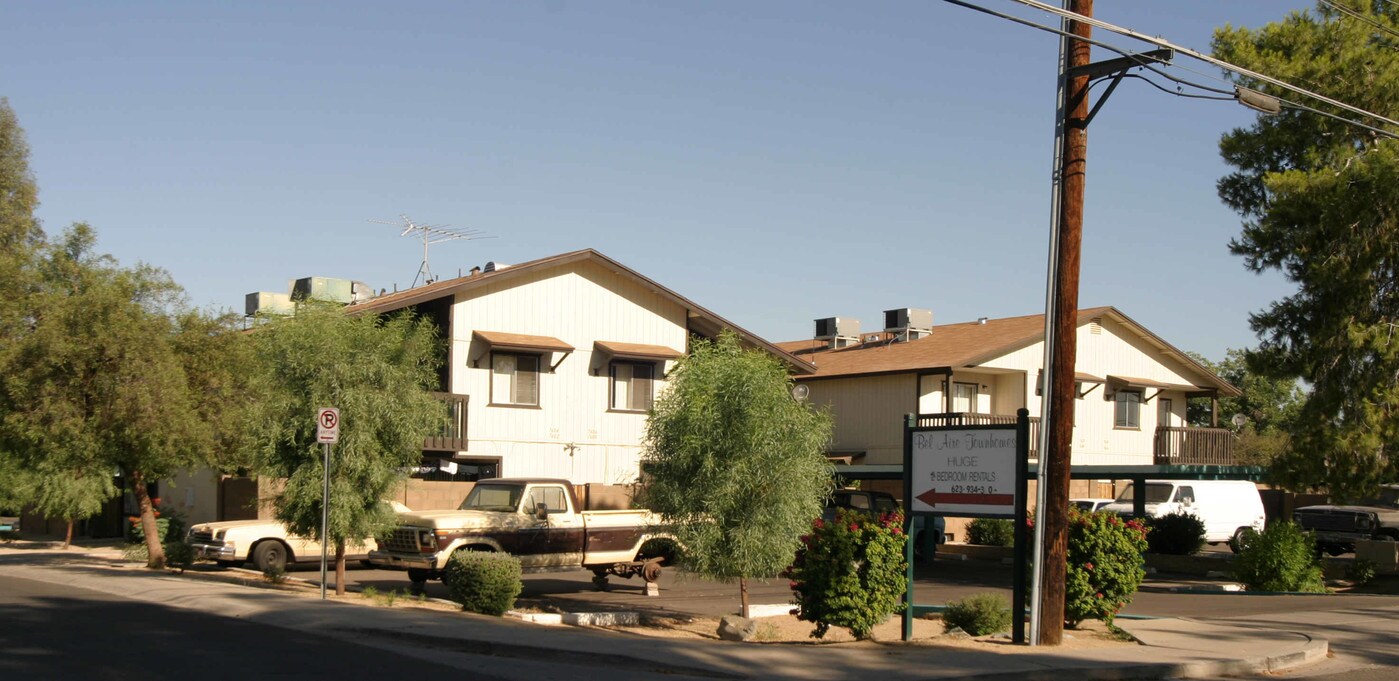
[(788, 629)]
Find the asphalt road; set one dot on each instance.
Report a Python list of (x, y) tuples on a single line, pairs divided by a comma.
[(53, 632)]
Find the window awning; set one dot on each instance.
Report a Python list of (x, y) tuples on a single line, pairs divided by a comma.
[(1128, 382), (518, 341), (1118, 383), (636, 351)]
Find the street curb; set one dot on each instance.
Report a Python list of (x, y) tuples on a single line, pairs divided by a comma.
[(1315, 650)]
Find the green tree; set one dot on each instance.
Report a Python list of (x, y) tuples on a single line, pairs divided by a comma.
[(733, 464), (1317, 196), (69, 494), (19, 237), (1269, 405), (377, 372), (101, 381)]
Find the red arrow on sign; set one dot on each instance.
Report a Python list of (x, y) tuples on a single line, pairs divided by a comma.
[(933, 498)]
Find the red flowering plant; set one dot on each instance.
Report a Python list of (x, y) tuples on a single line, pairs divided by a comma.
[(1105, 565), (850, 572)]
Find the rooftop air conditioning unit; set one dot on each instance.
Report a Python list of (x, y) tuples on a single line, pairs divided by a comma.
[(360, 291), (839, 331), (493, 266), (263, 302), (908, 323), (323, 288)]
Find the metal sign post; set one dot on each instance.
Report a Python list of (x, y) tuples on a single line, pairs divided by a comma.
[(327, 434)]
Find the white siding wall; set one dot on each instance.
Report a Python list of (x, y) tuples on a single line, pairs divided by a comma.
[(1118, 352), (868, 413), (572, 434)]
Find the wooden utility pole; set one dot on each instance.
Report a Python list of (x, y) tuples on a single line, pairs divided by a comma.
[(1055, 514)]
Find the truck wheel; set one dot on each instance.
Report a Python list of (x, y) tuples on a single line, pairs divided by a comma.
[(270, 556), (418, 580), (651, 571), (1236, 542)]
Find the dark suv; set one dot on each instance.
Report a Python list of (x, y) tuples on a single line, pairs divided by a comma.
[(1338, 527)]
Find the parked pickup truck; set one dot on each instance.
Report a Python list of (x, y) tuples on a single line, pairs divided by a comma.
[(265, 542), (1337, 528), (534, 519)]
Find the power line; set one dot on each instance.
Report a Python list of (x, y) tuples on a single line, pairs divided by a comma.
[(1178, 93), (1161, 42), (1360, 17), (1150, 64)]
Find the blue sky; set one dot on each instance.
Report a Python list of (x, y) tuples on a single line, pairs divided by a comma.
[(773, 161)]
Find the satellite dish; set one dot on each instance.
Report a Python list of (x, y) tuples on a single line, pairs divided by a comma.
[(1239, 420), (800, 392)]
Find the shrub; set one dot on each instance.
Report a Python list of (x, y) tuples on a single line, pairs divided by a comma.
[(978, 614), (1176, 534), (179, 554), (991, 532), (1104, 565), (274, 575), (850, 572), (483, 581), (136, 532), (1281, 558), (1361, 571)]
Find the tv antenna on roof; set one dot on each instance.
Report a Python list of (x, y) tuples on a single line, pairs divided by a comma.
[(431, 234)]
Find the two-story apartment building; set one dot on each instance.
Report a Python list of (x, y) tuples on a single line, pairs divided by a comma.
[(1132, 386)]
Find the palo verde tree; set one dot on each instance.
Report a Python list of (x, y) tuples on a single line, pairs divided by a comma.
[(1318, 197), (378, 372), (734, 466)]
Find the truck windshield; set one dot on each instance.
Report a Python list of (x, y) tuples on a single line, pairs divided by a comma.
[(488, 497), (1155, 493)]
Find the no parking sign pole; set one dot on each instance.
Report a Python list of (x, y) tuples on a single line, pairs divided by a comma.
[(327, 434)]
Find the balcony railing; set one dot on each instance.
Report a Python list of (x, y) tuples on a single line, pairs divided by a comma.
[(971, 419), (1176, 446), (453, 435)]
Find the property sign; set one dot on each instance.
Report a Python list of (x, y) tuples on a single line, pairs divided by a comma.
[(327, 425), (964, 471)]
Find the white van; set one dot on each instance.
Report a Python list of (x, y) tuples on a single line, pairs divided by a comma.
[(1227, 507)]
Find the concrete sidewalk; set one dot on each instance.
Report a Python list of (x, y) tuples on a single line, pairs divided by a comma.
[(1171, 648)]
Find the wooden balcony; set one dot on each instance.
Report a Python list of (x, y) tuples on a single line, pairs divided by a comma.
[(972, 419), (453, 435), (1178, 446)]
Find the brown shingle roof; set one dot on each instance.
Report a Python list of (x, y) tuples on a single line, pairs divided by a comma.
[(953, 346)]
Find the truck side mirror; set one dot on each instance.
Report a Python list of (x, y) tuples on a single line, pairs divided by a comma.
[(541, 511)]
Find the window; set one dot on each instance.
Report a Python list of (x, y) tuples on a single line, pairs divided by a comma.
[(1185, 495), (1129, 410), (632, 386), (551, 497), (964, 397), (514, 379)]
